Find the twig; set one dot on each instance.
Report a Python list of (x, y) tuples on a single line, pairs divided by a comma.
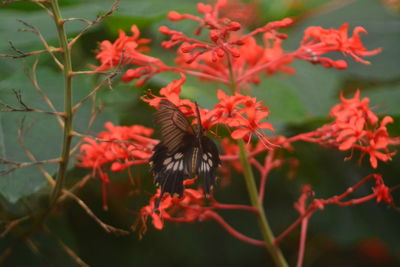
[(35, 83), (88, 72), (106, 227), (24, 107), (91, 23), (107, 80), (34, 30), (93, 114), (30, 244), (67, 249), (29, 154), (10, 225), (40, 4), (18, 165), (26, 54)]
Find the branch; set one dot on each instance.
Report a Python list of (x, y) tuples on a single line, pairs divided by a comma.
[(94, 112), (49, 49), (8, 226), (107, 80), (231, 230), (91, 23), (23, 107), (106, 227), (67, 249), (21, 54), (18, 165), (33, 78)]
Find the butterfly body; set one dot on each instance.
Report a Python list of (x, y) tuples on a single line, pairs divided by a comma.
[(182, 153)]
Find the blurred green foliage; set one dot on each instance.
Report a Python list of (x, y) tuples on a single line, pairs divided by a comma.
[(298, 103)]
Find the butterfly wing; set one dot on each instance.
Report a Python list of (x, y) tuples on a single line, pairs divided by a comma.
[(170, 169), (207, 163), (181, 153), (174, 125)]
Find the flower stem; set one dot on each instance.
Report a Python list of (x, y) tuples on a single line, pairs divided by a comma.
[(266, 231), (67, 136), (264, 225)]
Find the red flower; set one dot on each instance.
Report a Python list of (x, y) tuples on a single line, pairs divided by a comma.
[(172, 92), (357, 127), (383, 194), (116, 149), (128, 50), (318, 41), (187, 209), (125, 50), (243, 113), (251, 123), (381, 191)]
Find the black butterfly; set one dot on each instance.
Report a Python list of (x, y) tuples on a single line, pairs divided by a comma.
[(182, 153)]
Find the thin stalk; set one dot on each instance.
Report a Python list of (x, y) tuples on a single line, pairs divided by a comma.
[(266, 231), (67, 136)]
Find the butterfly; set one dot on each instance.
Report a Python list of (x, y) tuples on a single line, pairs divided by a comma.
[(182, 153)]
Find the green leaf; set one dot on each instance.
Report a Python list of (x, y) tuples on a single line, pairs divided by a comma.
[(383, 29), (317, 87), (282, 99), (43, 137), (143, 14), (9, 26), (384, 100), (42, 134)]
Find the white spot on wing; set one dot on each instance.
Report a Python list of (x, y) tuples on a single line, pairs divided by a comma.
[(175, 166), (167, 161), (178, 155), (210, 162), (180, 165), (170, 165)]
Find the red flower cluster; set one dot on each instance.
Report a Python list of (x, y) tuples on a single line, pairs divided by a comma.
[(116, 149), (237, 59), (125, 50), (226, 47), (186, 209), (190, 208), (230, 55), (128, 50), (244, 114), (357, 127), (318, 41)]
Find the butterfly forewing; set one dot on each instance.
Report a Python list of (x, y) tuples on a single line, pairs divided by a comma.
[(174, 125)]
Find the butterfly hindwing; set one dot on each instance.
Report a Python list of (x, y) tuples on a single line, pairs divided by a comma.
[(169, 170), (207, 163)]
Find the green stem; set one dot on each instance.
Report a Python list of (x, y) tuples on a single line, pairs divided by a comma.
[(266, 231), (67, 136), (267, 234)]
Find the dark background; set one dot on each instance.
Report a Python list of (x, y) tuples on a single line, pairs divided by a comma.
[(364, 235)]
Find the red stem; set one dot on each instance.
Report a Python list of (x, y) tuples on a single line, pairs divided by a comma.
[(233, 207), (303, 237), (320, 204), (231, 230)]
